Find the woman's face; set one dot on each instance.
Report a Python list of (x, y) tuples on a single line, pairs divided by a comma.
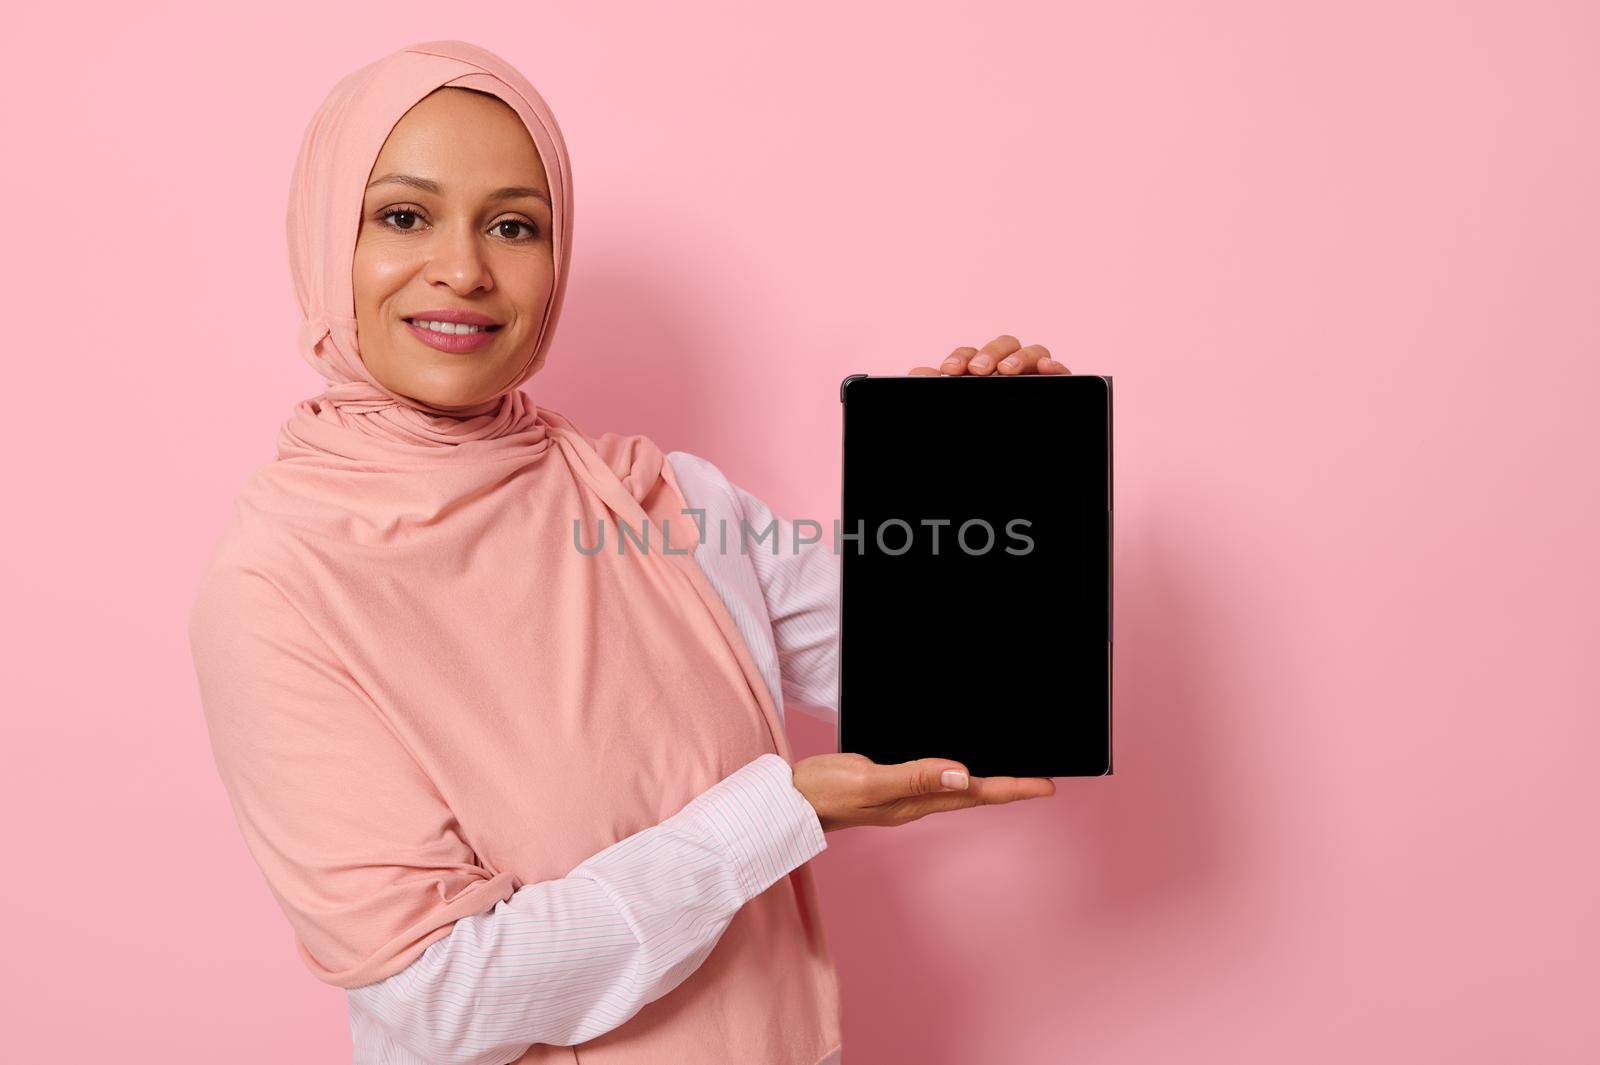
[(456, 217)]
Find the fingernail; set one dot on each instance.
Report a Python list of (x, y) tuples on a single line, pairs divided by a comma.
[(982, 362), (1011, 362), (954, 779), (952, 364)]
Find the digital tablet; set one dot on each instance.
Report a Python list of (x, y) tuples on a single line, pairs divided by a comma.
[(975, 545)]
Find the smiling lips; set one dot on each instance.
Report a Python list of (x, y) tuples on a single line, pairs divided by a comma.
[(452, 330)]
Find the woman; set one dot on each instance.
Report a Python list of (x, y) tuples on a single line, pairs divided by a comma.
[(510, 793)]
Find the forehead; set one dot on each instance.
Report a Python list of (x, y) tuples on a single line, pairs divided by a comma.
[(462, 142)]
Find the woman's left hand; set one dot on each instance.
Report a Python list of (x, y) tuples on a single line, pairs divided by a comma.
[(1004, 355)]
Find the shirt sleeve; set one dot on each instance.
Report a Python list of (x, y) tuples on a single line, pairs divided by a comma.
[(788, 572), (563, 961), (800, 583)]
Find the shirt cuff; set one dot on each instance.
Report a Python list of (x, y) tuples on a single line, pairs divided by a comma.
[(762, 819)]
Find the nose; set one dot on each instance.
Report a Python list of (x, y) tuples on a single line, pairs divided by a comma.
[(459, 261)]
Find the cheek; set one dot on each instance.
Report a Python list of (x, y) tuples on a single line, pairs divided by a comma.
[(377, 274)]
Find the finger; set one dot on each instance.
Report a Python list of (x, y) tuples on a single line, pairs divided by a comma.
[(992, 352), (957, 362), (998, 790), (1049, 365), (1023, 360), (923, 371), (982, 791)]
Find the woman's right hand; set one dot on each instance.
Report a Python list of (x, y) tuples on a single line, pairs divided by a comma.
[(852, 789)]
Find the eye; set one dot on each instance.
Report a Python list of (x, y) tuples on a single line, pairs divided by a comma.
[(532, 229), (397, 212)]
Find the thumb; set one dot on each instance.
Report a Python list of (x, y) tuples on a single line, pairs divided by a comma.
[(926, 776)]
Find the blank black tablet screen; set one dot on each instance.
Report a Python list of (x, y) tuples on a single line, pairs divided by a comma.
[(975, 549)]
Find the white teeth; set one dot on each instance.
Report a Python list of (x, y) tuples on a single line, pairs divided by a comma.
[(447, 327)]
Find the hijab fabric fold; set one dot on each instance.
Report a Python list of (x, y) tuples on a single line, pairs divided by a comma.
[(422, 696)]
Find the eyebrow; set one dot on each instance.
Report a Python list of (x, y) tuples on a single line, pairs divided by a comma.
[(510, 192)]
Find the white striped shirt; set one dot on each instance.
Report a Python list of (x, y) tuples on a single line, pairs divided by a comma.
[(563, 961)]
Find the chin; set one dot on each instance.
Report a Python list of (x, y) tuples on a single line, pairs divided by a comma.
[(452, 400), (448, 389)]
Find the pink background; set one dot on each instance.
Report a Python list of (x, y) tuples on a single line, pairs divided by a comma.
[(1341, 259)]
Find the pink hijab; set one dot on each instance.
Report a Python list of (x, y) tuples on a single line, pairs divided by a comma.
[(421, 696)]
